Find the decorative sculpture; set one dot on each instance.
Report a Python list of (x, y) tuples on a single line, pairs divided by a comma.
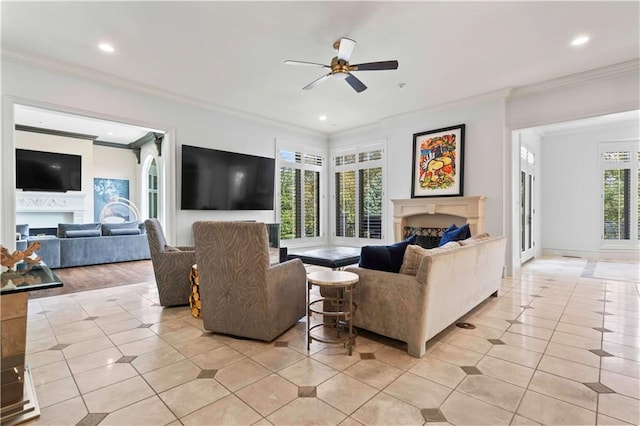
[(9, 260)]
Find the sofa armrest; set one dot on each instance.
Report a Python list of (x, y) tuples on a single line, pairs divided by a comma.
[(186, 248)]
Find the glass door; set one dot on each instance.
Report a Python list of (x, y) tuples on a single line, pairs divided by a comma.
[(527, 210)]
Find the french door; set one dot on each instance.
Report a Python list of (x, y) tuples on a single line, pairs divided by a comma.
[(527, 209)]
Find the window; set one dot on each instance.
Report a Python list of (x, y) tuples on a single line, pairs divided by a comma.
[(358, 185), (152, 190), (620, 192), (300, 176)]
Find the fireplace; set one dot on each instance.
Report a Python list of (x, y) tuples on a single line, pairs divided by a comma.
[(438, 212), (47, 209)]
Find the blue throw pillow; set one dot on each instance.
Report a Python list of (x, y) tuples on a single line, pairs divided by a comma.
[(453, 233), (385, 258)]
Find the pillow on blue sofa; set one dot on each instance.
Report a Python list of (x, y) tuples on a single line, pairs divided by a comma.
[(64, 228), (453, 233), (82, 233), (385, 258), (125, 231), (108, 228)]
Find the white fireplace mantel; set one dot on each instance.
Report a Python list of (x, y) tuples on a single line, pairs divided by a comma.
[(51, 202), (421, 211)]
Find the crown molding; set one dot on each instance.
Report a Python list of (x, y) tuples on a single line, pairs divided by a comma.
[(74, 70), (610, 71)]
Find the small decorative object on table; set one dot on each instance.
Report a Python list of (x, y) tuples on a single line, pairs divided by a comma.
[(9, 260)]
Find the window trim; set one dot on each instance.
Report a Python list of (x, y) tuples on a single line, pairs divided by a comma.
[(633, 147), (333, 169), (303, 150)]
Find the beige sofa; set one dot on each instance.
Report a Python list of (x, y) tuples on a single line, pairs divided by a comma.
[(448, 283)]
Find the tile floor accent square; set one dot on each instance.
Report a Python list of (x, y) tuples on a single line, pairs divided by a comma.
[(367, 355), (603, 313), (146, 325), (90, 318), (126, 359), (471, 370), (526, 307), (58, 347), (605, 300), (207, 374), (111, 300), (306, 391), (599, 387), (282, 344), (433, 415), (43, 312), (602, 330), (92, 419), (535, 295), (515, 321), (600, 352), (496, 342)]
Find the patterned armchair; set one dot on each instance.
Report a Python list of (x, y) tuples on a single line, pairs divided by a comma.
[(241, 294), (171, 266)]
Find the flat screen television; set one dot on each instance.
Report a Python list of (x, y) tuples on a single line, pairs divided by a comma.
[(48, 171), (222, 180)]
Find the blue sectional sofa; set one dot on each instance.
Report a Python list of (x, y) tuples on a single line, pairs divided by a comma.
[(81, 244)]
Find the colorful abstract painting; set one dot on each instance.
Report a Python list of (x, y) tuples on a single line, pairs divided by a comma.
[(108, 192), (438, 163)]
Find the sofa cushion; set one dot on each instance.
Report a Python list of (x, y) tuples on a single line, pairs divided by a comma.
[(82, 233), (64, 228), (23, 231), (385, 258), (125, 231), (414, 254), (108, 228), (453, 233)]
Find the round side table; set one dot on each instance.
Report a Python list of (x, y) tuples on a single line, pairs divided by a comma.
[(340, 320)]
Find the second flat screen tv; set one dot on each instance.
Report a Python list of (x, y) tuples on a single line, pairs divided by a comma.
[(222, 180)]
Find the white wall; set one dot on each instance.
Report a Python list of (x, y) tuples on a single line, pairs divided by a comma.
[(183, 123), (571, 190), (484, 163)]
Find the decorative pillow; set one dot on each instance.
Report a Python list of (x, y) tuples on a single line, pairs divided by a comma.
[(385, 258), (82, 233), (125, 231), (108, 228), (453, 233), (64, 228), (428, 241), (23, 231), (475, 239)]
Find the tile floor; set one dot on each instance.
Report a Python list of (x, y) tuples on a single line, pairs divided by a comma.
[(561, 345)]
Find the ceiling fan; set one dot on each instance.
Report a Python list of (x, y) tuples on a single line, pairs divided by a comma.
[(340, 67)]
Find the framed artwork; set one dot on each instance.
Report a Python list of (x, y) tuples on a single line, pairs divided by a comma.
[(438, 166), (108, 192)]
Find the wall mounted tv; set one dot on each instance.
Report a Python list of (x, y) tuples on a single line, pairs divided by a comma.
[(222, 180), (48, 171)]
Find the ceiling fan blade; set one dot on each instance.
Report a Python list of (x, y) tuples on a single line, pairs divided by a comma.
[(307, 64), (357, 85), (346, 48), (375, 66), (316, 82)]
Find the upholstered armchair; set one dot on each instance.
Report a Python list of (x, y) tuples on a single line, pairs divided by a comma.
[(171, 266), (241, 294)]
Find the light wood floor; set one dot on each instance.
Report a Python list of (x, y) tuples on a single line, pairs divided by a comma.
[(84, 278)]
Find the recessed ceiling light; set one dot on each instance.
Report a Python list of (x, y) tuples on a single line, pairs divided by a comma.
[(322, 117), (110, 133), (106, 47), (580, 40)]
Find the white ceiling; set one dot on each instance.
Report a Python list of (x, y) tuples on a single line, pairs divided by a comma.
[(231, 54)]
